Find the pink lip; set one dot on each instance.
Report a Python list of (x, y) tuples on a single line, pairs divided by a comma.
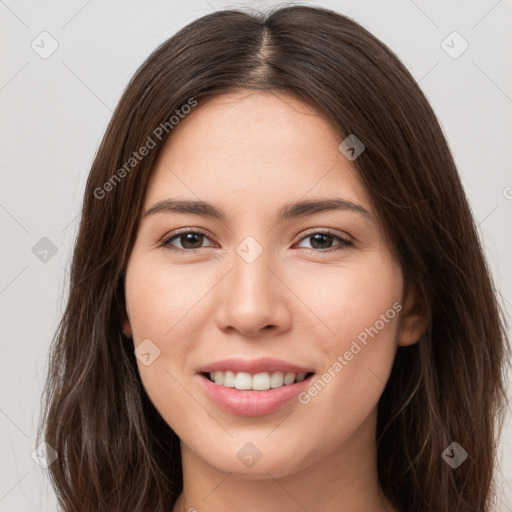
[(251, 403), (263, 364)]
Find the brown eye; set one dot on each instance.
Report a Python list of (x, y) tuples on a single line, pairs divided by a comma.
[(321, 241), (189, 241)]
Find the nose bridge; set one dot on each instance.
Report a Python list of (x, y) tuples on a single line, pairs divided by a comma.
[(251, 277), (250, 300)]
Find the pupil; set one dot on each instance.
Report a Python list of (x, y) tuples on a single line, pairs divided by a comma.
[(189, 239), (318, 238)]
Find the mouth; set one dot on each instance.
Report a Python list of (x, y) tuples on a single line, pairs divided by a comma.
[(247, 390), (253, 387)]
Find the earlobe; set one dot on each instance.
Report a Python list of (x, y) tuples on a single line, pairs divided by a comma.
[(414, 318), (127, 329)]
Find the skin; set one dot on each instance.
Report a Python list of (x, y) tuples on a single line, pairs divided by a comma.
[(248, 154)]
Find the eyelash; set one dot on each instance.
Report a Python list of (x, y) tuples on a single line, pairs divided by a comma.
[(345, 244)]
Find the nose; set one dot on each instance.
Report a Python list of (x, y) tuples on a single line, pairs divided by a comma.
[(253, 299)]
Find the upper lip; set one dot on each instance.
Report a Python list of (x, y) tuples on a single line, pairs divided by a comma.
[(260, 365)]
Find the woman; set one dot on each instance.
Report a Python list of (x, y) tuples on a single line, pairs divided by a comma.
[(208, 357)]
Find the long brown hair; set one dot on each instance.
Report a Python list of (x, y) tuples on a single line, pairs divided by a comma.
[(116, 453)]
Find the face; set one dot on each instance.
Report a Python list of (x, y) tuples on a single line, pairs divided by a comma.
[(258, 292)]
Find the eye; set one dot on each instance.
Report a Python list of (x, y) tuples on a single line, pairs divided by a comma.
[(321, 239), (189, 240)]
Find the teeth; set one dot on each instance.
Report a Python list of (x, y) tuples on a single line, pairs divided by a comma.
[(258, 382), (229, 380), (289, 378), (261, 381), (242, 380), (276, 379)]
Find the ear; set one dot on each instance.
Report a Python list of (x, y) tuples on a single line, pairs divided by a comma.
[(414, 320), (127, 328)]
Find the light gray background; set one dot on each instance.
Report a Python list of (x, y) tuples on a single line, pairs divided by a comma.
[(54, 113)]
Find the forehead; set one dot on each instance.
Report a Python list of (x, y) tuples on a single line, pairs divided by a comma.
[(251, 147)]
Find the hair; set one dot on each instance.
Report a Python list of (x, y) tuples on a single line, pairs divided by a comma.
[(115, 451)]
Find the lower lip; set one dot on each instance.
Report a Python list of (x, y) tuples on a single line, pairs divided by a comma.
[(252, 403)]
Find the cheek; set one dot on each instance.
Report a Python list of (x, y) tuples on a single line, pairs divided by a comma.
[(359, 307), (164, 305), (347, 299), (163, 298)]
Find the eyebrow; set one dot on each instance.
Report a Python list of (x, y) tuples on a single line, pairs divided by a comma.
[(288, 211)]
